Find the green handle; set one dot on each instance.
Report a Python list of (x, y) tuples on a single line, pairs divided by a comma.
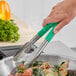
[(45, 29), (51, 34)]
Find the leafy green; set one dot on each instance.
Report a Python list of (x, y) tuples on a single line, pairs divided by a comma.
[(19, 70), (8, 31), (56, 68), (37, 71), (36, 63), (23, 62)]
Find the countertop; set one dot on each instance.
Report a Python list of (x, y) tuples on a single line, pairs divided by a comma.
[(25, 31)]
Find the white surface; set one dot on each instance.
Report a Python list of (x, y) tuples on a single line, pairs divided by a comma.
[(34, 11)]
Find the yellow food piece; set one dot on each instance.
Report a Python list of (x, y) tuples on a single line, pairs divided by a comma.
[(64, 69), (2, 16), (49, 72)]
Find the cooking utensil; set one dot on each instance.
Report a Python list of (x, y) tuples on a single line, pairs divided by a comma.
[(23, 54)]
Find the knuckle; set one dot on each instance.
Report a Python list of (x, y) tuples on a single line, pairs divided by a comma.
[(66, 22), (44, 20), (54, 7)]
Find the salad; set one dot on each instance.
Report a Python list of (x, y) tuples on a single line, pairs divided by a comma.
[(40, 68)]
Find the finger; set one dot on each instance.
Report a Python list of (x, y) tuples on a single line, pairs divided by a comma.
[(53, 11), (46, 21), (61, 25), (57, 5), (50, 14), (55, 8), (53, 19)]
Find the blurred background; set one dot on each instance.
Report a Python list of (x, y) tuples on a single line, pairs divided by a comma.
[(33, 12)]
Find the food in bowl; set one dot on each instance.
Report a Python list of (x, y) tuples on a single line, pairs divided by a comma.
[(40, 68)]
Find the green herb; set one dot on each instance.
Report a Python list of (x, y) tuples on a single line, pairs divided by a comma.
[(37, 63), (56, 68), (23, 62), (37, 72), (19, 70), (8, 31)]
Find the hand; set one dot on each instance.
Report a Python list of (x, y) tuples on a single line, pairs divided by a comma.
[(63, 12)]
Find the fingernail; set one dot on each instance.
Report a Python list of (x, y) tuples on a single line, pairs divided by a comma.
[(43, 25), (55, 31)]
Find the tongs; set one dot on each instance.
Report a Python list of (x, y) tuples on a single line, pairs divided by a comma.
[(24, 55)]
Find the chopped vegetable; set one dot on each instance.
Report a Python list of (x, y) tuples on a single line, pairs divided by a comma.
[(28, 72), (8, 31), (37, 71), (37, 63), (56, 68)]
